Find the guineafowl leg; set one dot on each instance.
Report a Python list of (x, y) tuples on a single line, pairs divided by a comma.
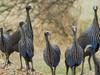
[(9, 62), (54, 70), (67, 69), (32, 66), (89, 62), (73, 70), (82, 66), (21, 62), (27, 67), (6, 61)]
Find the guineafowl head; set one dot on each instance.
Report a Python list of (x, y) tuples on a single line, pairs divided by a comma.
[(20, 26), (47, 33), (74, 29), (21, 30), (28, 7), (95, 8), (21, 23)]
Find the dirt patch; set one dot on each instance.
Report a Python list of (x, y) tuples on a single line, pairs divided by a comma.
[(13, 69)]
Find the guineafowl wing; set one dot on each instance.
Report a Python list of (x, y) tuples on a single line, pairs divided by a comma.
[(55, 55)]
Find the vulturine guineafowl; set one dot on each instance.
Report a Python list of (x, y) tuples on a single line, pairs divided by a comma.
[(87, 37), (28, 28), (25, 47), (6, 45), (74, 54), (51, 54), (95, 59)]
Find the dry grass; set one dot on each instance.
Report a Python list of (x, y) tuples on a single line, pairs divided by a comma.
[(41, 67)]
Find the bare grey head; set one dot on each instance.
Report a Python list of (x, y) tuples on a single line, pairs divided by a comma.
[(28, 7), (47, 33), (21, 24), (74, 29), (95, 8), (21, 30)]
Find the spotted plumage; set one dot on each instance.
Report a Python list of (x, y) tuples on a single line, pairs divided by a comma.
[(51, 54)]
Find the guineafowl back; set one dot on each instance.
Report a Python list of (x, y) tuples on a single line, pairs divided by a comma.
[(8, 43), (26, 47)]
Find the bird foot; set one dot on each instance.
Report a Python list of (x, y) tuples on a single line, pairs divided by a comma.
[(21, 69), (33, 70), (4, 66), (90, 68), (27, 73), (82, 73), (9, 63)]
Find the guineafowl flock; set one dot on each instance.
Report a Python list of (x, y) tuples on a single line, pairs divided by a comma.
[(22, 41)]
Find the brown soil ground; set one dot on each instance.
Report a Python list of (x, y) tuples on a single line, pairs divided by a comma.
[(13, 69)]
